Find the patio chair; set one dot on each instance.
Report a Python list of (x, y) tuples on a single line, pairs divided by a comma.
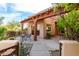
[(29, 37)]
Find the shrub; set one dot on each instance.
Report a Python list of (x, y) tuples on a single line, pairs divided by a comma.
[(70, 23), (2, 30), (11, 33), (3, 38)]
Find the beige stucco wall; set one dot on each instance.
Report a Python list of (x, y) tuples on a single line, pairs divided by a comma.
[(70, 48), (40, 27), (51, 21)]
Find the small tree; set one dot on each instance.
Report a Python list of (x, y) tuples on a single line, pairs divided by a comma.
[(69, 22), (2, 32), (13, 26)]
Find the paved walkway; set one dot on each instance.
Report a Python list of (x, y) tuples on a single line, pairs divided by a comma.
[(39, 49), (42, 46)]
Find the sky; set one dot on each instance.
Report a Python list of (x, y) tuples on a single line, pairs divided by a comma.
[(21, 9)]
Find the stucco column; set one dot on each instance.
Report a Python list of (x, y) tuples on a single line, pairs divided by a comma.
[(35, 30)]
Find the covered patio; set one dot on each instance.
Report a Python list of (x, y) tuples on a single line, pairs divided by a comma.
[(43, 23)]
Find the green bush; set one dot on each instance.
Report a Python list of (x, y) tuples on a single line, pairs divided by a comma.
[(3, 38), (70, 23), (2, 30), (11, 33)]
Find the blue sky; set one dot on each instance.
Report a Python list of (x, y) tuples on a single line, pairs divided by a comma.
[(12, 10), (10, 13)]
